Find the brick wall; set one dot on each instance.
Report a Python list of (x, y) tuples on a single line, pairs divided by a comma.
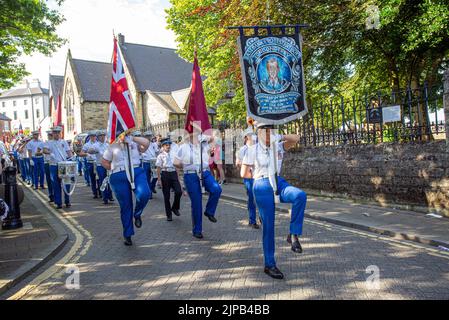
[(408, 173)]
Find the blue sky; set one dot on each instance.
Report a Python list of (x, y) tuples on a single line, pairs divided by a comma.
[(89, 25)]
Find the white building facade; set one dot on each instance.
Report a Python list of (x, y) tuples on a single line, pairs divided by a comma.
[(26, 105)]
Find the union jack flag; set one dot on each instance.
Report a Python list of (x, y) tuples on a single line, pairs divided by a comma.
[(121, 108)]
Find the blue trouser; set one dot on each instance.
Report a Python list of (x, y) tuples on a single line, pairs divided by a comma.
[(57, 188), (23, 173), (264, 196), (27, 167), (92, 177), (123, 192), (193, 185), (102, 173), (38, 172), (48, 178), (79, 161), (86, 171), (251, 204), (147, 169)]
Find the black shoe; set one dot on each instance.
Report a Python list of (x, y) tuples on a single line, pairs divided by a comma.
[(176, 212), (42, 188), (138, 222), (68, 205), (154, 191), (105, 202), (169, 218), (128, 242), (211, 218), (274, 272), (254, 225), (198, 235), (296, 246), (51, 200), (112, 200), (58, 207), (95, 197)]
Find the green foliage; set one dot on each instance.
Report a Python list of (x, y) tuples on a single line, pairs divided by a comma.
[(342, 57), (26, 27)]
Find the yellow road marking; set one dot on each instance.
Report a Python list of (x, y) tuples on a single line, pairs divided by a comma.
[(58, 268)]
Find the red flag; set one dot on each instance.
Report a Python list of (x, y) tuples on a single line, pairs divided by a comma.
[(121, 108), (197, 107), (58, 120)]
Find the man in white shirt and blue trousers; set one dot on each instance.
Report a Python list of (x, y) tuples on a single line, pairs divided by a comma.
[(101, 147), (260, 164), (189, 159), (47, 168), (59, 151), (248, 182), (35, 150), (89, 151)]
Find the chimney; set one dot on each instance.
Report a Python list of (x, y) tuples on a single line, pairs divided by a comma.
[(121, 39)]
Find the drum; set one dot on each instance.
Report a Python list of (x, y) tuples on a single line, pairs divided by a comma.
[(67, 170), (153, 167), (67, 173)]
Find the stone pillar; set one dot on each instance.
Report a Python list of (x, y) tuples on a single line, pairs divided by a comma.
[(446, 105)]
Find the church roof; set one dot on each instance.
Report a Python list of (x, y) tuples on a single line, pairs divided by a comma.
[(56, 84), (157, 69), (94, 78)]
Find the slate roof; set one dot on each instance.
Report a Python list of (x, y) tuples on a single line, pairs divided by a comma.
[(157, 69), (94, 78), (4, 118), (20, 92), (56, 84)]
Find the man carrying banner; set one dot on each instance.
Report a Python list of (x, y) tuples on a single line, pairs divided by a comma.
[(193, 157), (122, 157), (259, 163)]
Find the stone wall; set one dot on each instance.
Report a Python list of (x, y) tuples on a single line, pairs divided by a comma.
[(95, 115), (408, 173)]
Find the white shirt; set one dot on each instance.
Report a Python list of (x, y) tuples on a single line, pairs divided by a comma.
[(242, 152), (59, 150), (154, 150), (115, 153), (261, 157), (165, 160), (101, 148), (90, 145), (47, 156), (34, 145), (189, 155)]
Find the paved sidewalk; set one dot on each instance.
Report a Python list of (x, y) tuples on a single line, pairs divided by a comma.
[(24, 250), (401, 224)]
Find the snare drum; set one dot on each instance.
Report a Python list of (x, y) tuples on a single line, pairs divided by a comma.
[(67, 170)]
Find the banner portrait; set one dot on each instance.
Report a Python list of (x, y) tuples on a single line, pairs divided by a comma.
[(273, 77)]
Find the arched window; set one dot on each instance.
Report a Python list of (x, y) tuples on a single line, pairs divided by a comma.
[(69, 105)]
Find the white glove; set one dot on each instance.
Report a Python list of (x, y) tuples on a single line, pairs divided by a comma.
[(128, 140), (31, 162)]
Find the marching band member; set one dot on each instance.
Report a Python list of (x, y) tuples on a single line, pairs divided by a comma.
[(147, 157), (117, 159), (35, 150), (89, 152), (101, 147), (154, 151), (248, 182), (26, 161), (168, 178), (47, 167), (188, 159), (259, 164), (59, 151)]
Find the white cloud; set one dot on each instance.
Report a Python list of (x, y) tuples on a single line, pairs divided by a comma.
[(89, 25)]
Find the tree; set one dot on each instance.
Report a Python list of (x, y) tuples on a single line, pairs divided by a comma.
[(342, 57), (26, 27)]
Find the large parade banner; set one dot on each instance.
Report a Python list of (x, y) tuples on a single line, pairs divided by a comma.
[(273, 77)]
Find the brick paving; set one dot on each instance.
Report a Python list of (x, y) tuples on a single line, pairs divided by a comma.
[(166, 262)]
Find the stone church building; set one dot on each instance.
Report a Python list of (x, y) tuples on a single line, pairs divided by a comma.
[(159, 81)]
